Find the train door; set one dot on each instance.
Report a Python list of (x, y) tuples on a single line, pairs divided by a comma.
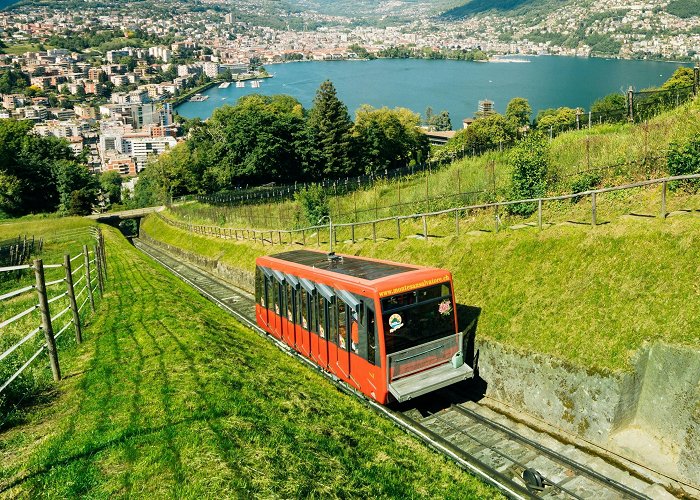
[(349, 338), (365, 359), (327, 324)]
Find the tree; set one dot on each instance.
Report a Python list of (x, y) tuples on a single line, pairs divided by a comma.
[(77, 187), (28, 169), (518, 112), (439, 122), (485, 133), (111, 186), (331, 131), (612, 107), (13, 81), (557, 120), (224, 152), (388, 138), (529, 166), (314, 202)]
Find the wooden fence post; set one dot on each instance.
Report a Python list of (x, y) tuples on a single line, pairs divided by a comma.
[(456, 222), (374, 231), (98, 264), (539, 214), (46, 319), (303, 237), (398, 228), (425, 227), (87, 277), (71, 298), (663, 200), (352, 232), (496, 219), (318, 237), (593, 209), (630, 104)]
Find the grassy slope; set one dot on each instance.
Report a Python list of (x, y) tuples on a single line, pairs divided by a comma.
[(170, 397), (60, 236), (591, 297), (642, 147)]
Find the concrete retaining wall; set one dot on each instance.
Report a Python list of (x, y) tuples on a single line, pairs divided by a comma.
[(242, 279), (650, 414)]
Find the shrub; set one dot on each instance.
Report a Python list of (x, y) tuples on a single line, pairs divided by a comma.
[(529, 164), (584, 182), (685, 160), (314, 202)]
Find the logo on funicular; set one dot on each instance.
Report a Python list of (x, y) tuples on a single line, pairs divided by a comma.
[(395, 322)]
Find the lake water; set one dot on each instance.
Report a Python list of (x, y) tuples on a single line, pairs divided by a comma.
[(457, 86)]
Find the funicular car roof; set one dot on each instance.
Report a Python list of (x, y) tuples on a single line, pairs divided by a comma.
[(366, 269)]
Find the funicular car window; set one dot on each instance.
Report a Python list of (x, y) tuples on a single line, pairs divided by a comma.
[(290, 302), (322, 325), (342, 325), (276, 296), (304, 310), (414, 318)]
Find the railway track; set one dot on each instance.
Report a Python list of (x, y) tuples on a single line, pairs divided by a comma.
[(518, 460)]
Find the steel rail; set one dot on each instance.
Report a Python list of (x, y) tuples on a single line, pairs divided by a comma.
[(552, 454)]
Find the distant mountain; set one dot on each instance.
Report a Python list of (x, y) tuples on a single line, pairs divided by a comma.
[(478, 6), (373, 8)]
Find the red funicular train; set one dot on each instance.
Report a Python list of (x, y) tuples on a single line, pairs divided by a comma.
[(388, 330)]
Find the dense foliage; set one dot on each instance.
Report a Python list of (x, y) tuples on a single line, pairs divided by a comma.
[(684, 159), (684, 8), (528, 161), (264, 139), (41, 174)]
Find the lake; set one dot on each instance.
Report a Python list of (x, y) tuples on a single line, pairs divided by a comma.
[(457, 86)]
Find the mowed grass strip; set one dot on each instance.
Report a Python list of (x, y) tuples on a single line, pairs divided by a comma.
[(170, 397), (590, 297)]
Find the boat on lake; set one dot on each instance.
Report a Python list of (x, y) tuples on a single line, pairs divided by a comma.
[(199, 98)]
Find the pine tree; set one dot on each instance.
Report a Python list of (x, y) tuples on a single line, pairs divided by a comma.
[(331, 128)]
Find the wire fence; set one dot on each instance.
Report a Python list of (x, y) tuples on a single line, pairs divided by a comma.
[(312, 234), (415, 194), (60, 294), (17, 251)]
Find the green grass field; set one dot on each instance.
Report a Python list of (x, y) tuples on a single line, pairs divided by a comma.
[(170, 397), (591, 297), (60, 236), (619, 153)]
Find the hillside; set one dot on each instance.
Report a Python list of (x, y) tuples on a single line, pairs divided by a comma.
[(605, 155), (168, 397), (588, 297)]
